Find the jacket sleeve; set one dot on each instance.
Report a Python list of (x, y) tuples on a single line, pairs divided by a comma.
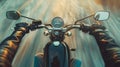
[(9, 46), (109, 49)]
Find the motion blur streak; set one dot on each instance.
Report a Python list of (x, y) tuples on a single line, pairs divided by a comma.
[(70, 10)]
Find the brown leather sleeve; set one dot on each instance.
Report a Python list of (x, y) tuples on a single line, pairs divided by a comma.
[(9, 46), (109, 49)]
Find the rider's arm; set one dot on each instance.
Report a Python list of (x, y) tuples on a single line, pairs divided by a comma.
[(109, 49), (9, 46)]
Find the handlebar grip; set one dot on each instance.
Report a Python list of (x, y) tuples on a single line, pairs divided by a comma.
[(85, 28), (35, 24)]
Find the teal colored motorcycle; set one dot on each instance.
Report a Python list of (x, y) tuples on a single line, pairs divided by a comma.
[(56, 52)]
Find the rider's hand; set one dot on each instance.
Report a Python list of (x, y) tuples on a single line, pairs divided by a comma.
[(35, 24), (95, 28), (22, 27)]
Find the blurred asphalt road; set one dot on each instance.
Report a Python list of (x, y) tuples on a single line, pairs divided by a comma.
[(70, 10)]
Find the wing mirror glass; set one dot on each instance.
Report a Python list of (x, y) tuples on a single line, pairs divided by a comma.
[(99, 16), (14, 15)]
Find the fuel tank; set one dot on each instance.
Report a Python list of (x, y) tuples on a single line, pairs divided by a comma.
[(56, 54)]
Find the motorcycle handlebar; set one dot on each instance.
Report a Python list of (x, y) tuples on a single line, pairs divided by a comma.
[(81, 26)]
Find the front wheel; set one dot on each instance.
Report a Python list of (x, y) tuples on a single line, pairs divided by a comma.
[(75, 63), (38, 60)]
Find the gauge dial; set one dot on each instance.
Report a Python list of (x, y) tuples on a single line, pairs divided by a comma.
[(57, 22)]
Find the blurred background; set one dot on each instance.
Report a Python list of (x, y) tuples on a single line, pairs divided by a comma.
[(70, 10)]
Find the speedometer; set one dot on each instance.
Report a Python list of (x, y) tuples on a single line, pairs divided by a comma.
[(57, 22)]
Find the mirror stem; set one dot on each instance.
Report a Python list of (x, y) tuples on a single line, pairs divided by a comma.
[(27, 17), (83, 18)]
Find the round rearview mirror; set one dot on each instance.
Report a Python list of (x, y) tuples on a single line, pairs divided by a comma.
[(102, 15), (14, 15)]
